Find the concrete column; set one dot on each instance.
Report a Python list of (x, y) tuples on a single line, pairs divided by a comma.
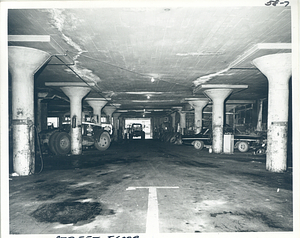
[(218, 95), (23, 63), (182, 121), (116, 125), (97, 104), (198, 105), (109, 110), (173, 115), (75, 95), (61, 119), (259, 119), (41, 113), (278, 69)]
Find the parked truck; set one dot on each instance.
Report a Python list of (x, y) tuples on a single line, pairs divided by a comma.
[(136, 130), (58, 140)]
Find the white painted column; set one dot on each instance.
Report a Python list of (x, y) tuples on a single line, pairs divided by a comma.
[(97, 104), (75, 95), (109, 110), (259, 119), (198, 105), (182, 121), (173, 115), (218, 96), (23, 63), (278, 69)]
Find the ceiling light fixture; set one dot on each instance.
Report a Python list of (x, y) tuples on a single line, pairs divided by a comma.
[(148, 96), (152, 80)]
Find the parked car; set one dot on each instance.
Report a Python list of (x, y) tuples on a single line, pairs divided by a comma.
[(198, 140), (242, 142)]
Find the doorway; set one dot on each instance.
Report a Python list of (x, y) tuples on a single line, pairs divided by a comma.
[(146, 122)]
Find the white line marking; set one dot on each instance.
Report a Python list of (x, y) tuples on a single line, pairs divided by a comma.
[(152, 225)]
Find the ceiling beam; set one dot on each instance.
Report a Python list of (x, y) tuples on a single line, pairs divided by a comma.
[(69, 84), (29, 38)]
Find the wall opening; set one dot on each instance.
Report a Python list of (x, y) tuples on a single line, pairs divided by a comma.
[(146, 122)]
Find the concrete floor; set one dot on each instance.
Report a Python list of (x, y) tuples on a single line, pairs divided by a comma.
[(88, 194)]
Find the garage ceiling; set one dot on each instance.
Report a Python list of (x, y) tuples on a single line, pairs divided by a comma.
[(151, 59)]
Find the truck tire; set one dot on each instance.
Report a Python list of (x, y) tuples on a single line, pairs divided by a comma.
[(62, 143), (243, 146), (198, 144), (103, 142), (51, 142), (173, 139)]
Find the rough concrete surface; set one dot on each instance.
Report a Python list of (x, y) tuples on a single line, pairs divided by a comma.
[(86, 194)]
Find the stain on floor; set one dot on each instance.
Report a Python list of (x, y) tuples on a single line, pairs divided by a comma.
[(69, 212), (87, 194)]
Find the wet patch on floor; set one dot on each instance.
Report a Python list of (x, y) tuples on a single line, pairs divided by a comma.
[(40, 181), (70, 212), (52, 190), (196, 164), (79, 192), (237, 221), (278, 180), (220, 213)]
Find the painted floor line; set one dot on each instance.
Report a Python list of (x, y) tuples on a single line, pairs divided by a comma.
[(152, 224)]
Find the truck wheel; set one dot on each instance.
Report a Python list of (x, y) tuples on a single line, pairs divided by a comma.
[(62, 143), (51, 142), (259, 151), (243, 146), (104, 142), (198, 144), (173, 139)]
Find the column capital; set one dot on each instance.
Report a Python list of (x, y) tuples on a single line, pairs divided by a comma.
[(42, 95), (116, 114), (218, 93), (109, 110), (96, 103), (277, 66), (197, 102), (26, 59), (76, 92)]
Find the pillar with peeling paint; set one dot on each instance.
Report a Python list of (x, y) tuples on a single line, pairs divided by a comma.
[(218, 96), (278, 70), (198, 105), (97, 104), (109, 110), (75, 95), (23, 63)]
